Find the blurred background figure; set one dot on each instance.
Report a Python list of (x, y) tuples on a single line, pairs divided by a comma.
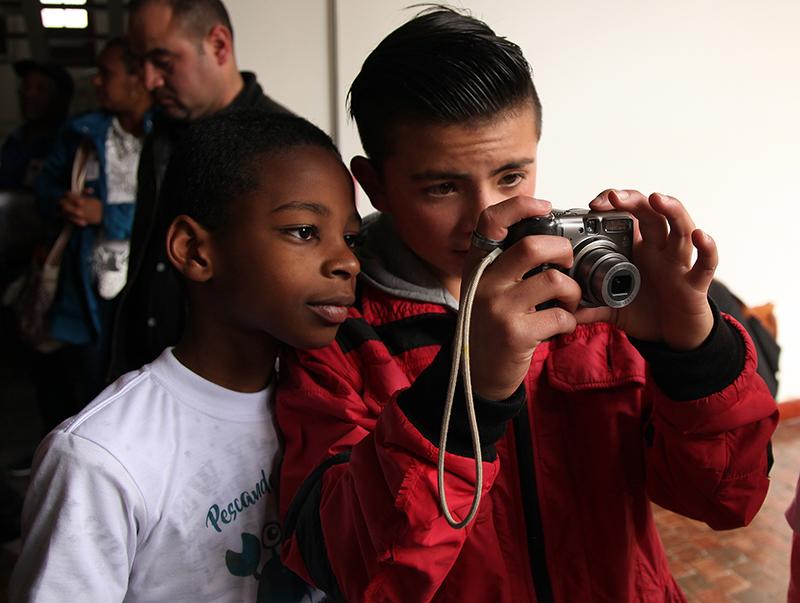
[(45, 92), (94, 265), (44, 95), (189, 64)]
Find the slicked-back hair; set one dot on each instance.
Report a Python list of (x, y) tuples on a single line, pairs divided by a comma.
[(196, 16), (122, 43), (217, 161), (441, 67)]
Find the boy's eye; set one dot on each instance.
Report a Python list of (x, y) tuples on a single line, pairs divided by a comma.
[(440, 190), (353, 240), (304, 233), (512, 179)]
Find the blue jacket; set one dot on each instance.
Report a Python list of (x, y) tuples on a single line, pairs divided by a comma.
[(74, 316)]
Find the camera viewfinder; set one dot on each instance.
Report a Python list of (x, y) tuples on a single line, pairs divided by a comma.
[(616, 225)]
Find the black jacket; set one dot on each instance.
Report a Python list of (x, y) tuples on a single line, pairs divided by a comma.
[(150, 313)]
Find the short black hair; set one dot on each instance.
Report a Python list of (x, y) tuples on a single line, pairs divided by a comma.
[(130, 60), (198, 16), (215, 161), (442, 66)]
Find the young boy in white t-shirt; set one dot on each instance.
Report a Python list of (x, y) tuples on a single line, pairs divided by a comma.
[(163, 488)]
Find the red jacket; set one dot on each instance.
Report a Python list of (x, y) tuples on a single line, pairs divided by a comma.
[(565, 512)]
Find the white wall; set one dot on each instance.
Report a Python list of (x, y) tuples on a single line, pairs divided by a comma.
[(287, 45)]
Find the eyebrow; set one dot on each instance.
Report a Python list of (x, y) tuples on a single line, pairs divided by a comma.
[(316, 208), (444, 175), (311, 206)]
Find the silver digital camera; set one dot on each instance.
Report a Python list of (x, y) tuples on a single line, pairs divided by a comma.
[(602, 244)]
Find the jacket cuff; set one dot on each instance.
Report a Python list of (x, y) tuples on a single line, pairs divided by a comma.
[(423, 404), (709, 369)]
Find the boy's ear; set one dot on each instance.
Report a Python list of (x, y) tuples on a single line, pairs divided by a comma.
[(364, 171), (189, 249)]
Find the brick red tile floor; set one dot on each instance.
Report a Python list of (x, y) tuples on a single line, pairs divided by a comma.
[(748, 565)]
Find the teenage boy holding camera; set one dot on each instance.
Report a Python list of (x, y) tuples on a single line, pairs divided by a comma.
[(585, 415)]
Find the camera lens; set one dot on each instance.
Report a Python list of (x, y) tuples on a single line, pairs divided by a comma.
[(621, 285), (606, 278), (615, 281)]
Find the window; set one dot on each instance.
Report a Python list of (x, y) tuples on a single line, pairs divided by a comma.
[(64, 18), (67, 32)]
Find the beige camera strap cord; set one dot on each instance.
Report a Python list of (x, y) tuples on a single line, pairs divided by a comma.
[(461, 357)]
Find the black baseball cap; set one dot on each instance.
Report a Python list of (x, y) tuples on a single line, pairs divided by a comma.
[(57, 73)]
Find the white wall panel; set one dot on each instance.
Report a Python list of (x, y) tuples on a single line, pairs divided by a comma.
[(287, 45)]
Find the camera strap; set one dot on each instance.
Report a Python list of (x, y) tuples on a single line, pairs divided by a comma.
[(461, 358)]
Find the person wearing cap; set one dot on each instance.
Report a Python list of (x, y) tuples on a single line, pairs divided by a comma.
[(45, 93)]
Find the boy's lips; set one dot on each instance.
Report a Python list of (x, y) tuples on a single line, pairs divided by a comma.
[(333, 311)]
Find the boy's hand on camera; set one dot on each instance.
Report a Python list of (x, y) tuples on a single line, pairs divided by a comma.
[(672, 305), (505, 326)]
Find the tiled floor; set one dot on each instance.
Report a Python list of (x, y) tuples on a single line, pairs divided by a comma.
[(745, 565)]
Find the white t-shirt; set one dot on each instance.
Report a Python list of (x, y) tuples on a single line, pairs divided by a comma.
[(162, 489)]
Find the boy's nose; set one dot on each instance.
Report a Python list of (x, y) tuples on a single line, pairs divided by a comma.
[(486, 199), (481, 199), (344, 264)]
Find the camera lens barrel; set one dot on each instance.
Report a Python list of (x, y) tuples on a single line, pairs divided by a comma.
[(606, 277)]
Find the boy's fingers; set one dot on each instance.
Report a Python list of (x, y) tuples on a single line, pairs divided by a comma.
[(545, 286), (652, 225), (611, 197), (601, 202), (680, 223), (589, 315), (530, 252), (552, 321), (702, 273), (493, 223)]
